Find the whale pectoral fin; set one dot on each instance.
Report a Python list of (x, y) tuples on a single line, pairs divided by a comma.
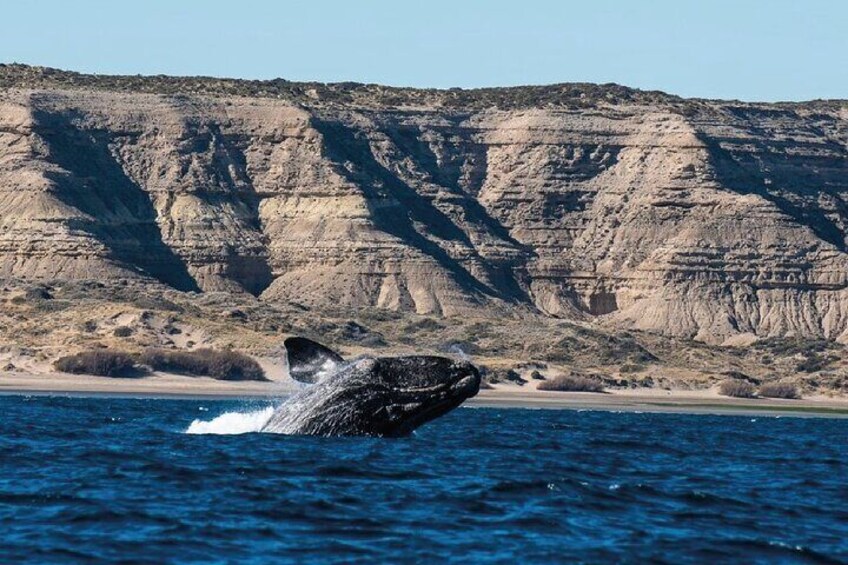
[(309, 361)]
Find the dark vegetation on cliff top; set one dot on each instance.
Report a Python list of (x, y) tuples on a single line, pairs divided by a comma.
[(564, 95), (569, 95)]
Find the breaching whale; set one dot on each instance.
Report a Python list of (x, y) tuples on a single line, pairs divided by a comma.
[(382, 396)]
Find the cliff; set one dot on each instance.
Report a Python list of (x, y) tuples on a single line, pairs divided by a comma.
[(630, 209)]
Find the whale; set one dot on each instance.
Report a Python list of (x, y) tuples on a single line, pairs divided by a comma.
[(309, 361), (368, 396)]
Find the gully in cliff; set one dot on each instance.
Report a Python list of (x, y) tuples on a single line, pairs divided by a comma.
[(382, 397)]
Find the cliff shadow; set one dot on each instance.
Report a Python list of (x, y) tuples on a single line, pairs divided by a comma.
[(227, 171), (462, 150), (795, 184), (120, 213), (408, 140), (343, 144)]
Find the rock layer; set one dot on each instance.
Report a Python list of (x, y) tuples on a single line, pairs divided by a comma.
[(702, 219)]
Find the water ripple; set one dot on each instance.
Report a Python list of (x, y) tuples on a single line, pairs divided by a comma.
[(109, 480)]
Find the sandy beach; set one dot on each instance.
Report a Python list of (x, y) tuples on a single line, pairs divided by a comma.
[(639, 400)]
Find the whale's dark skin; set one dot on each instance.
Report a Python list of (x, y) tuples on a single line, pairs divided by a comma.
[(381, 397)]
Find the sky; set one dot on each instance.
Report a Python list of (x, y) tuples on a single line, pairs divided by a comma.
[(765, 50)]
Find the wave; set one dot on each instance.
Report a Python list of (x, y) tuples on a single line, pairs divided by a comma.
[(232, 423)]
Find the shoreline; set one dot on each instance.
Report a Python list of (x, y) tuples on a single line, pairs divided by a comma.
[(680, 402), (199, 388)]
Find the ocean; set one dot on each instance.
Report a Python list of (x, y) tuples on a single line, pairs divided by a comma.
[(120, 480)]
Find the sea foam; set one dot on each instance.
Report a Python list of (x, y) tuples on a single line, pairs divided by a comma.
[(231, 423)]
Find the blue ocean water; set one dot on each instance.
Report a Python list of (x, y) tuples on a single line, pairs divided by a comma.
[(104, 479)]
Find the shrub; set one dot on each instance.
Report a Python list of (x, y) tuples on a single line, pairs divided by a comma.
[(559, 352), (814, 363), (222, 365), (232, 366), (123, 331), (790, 346), (494, 376), (532, 365), (424, 324), (537, 376), (779, 390), (37, 293), (103, 363), (572, 383), (737, 389), (514, 377), (740, 376)]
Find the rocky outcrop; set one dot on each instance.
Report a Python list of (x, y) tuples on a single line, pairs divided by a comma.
[(701, 219)]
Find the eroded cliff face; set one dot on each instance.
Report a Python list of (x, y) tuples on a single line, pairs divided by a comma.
[(716, 220)]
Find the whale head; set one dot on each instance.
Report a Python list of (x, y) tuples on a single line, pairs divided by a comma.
[(414, 390)]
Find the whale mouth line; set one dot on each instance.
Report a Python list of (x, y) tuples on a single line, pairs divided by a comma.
[(465, 383), (452, 395), (425, 414)]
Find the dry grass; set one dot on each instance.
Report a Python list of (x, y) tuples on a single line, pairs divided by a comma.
[(103, 363), (222, 365), (522, 344), (779, 390), (737, 389), (572, 383)]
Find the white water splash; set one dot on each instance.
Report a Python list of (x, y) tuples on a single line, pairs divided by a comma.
[(232, 423)]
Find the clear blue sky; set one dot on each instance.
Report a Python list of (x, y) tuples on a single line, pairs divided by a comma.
[(746, 49)]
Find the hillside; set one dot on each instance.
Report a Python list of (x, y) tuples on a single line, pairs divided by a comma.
[(701, 219)]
